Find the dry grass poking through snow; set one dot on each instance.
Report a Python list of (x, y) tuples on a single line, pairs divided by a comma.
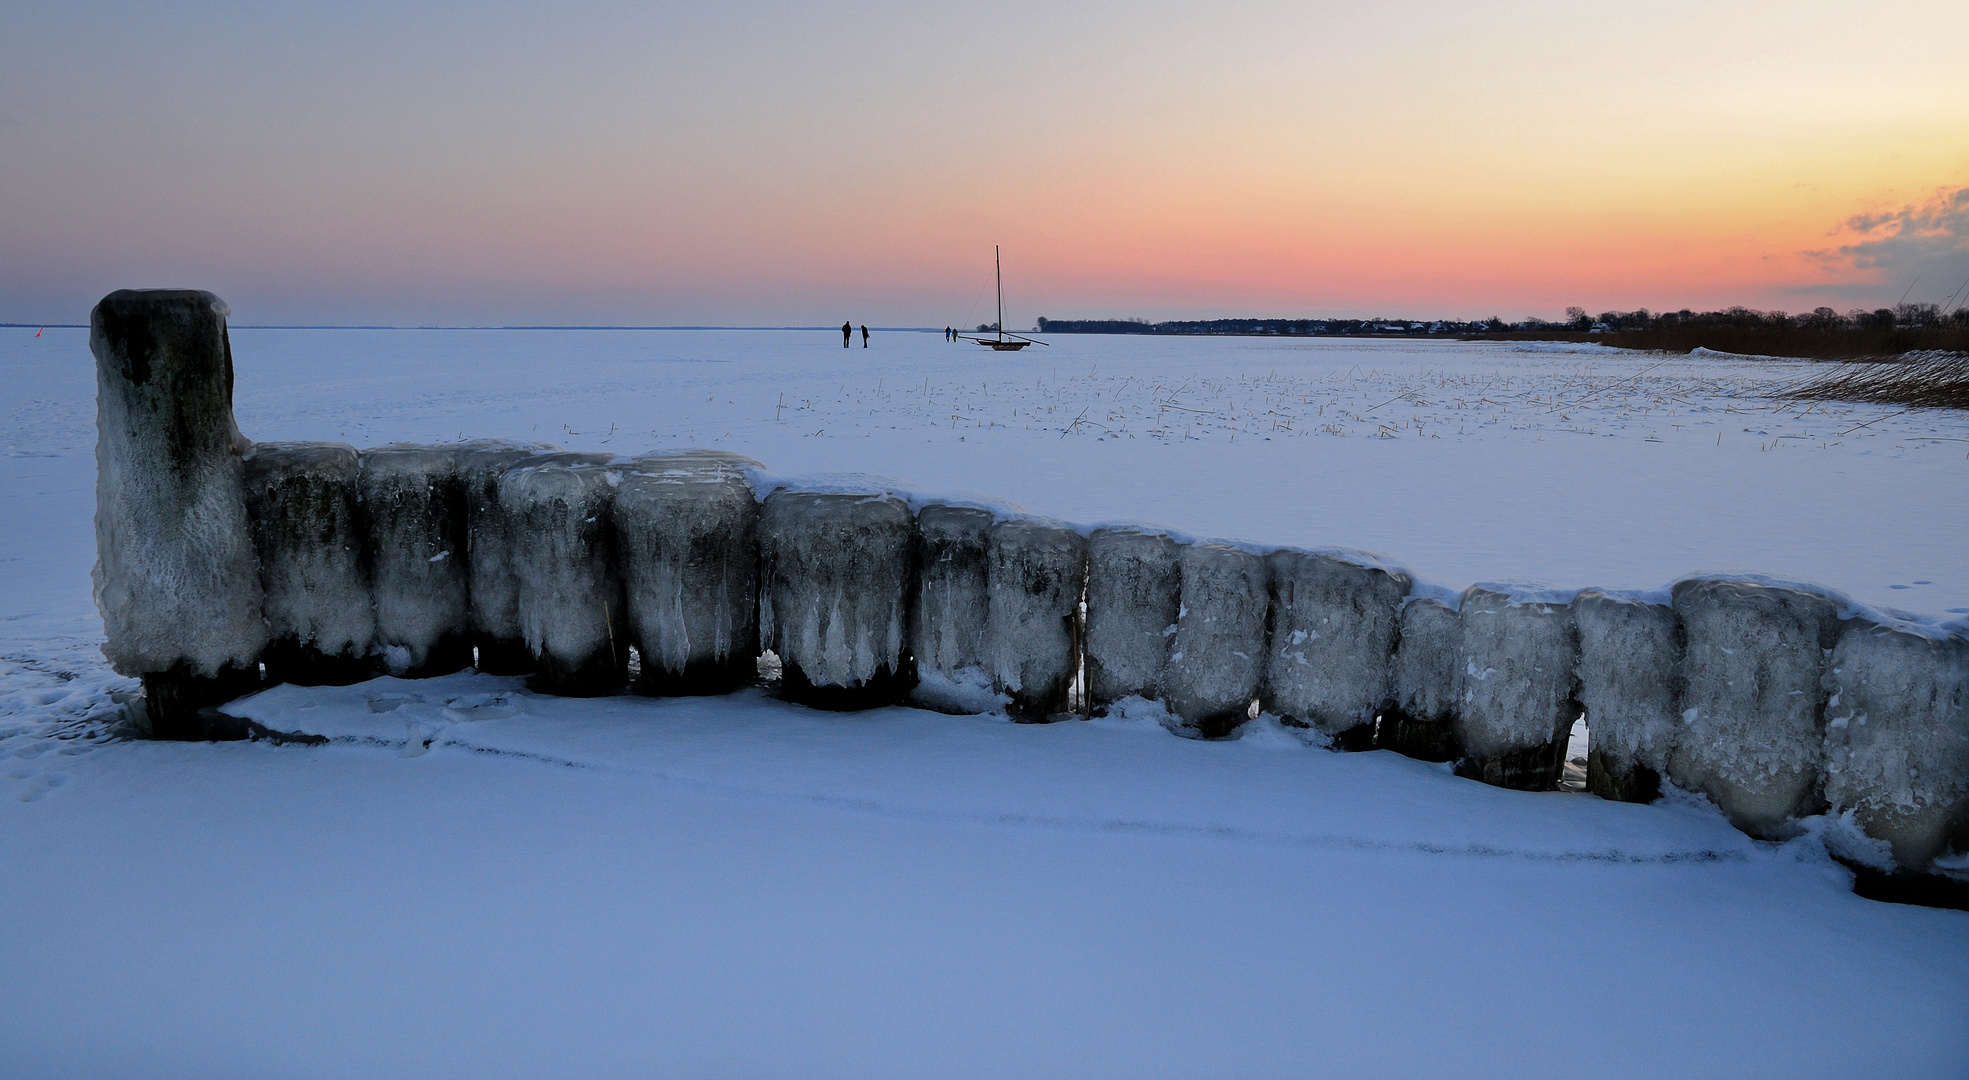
[(1933, 380)]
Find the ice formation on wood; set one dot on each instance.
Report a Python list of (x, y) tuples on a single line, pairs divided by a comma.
[(1036, 574), (1134, 585), (1423, 722), (835, 577), (1897, 739), (1219, 652), (687, 540), (557, 507), (307, 527), (492, 587), (952, 608), (1331, 661), (176, 577), (1630, 661), (414, 509), (1516, 702), (1752, 735)]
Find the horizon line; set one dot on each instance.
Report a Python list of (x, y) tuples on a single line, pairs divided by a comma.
[(544, 326)]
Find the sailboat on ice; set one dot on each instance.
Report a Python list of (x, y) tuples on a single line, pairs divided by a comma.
[(1001, 341)]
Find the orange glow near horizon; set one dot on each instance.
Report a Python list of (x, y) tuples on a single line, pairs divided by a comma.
[(746, 166)]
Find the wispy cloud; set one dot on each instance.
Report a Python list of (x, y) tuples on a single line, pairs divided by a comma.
[(1928, 243)]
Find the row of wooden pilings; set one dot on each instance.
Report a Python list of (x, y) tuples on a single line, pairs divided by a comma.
[(225, 564)]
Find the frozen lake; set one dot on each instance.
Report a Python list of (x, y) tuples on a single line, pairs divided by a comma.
[(1569, 465), (738, 886)]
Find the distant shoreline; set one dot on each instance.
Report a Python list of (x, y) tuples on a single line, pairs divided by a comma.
[(1848, 344)]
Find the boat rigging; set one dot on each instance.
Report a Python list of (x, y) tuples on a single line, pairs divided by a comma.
[(1001, 341)]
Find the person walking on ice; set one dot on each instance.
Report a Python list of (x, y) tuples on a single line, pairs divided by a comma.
[(847, 331), (864, 335)]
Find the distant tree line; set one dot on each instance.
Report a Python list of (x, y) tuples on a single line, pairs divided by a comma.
[(1822, 332)]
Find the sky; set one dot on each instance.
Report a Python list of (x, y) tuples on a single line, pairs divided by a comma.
[(797, 164)]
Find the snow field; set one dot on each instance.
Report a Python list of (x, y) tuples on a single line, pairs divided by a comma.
[(1412, 960), (842, 570)]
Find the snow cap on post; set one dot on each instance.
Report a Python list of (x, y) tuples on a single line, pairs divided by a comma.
[(1897, 740), (307, 526), (1331, 661), (1630, 675), (176, 578), (687, 541), (1134, 587), (1518, 702), (570, 597), (1753, 721), (951, 611), (1219, 654), (835, 574), (1036, 574)]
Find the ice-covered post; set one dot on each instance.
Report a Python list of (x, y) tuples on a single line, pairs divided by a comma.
[(1630, 674), (176, 578), (1518, 701), (1036, 574), (1134, 586), (301, 499), (1753, 706), (492, 586), (1331, 662), (558, 507), (1219, 653), (835, 574), (1897, 739), (414, 511), (687, 539), (951, 611), (1423, 722)]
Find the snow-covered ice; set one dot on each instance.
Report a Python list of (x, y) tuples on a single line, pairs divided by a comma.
[(473, 880)]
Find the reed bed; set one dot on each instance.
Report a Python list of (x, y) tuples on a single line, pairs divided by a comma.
[(1926, 380)]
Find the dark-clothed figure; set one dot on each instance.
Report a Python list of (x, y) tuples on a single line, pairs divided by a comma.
[(847, 331), (864, 335)]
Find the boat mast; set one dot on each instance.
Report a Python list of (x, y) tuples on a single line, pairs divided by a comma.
[(999, 271)]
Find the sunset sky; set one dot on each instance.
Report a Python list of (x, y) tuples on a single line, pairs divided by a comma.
[(791, 164)]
